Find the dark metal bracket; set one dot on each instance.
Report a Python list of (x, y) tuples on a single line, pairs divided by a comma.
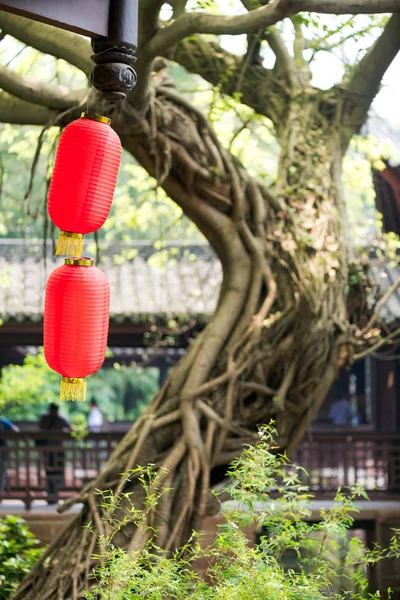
[(112, 25)]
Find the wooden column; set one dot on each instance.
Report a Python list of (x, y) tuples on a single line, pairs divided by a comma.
[(386, 396)]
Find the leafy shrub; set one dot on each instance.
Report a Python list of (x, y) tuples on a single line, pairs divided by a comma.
[(266, 494), (18, 552), (121, 391), (79, 428)]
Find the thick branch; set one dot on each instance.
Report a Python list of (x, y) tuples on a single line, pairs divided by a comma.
[(349, 7), (284, 62), (298, 48), (254, 20), (37, 92), (14, 110), (367, 76), (179, 7), (196, 22), (149, 11), (50, 40), (260, 88)]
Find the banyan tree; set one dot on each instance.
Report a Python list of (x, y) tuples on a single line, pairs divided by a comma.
[(292, 307)]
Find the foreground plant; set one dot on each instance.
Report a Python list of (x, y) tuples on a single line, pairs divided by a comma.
[(19, 550), (266, 495)]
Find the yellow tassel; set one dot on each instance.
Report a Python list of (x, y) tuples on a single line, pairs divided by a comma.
[(70, 244), (73, 388)]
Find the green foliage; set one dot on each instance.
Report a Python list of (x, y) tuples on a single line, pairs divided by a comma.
[(121, 392), (22, 213), (365, 225), (18, 552), (266, 495), (140, 210), (79, 428), (31, 386)]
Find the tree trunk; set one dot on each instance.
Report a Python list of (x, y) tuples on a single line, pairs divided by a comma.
[(271, 350)]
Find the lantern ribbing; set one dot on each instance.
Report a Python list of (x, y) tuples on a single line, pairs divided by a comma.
[(83, 180), (76, 320)]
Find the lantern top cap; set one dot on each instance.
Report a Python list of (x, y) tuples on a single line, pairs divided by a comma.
[(79, 262), (96, 117), (74, 379)]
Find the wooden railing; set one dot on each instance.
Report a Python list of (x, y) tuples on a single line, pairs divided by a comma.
[(50, 466), (342, 459), (53, 466)]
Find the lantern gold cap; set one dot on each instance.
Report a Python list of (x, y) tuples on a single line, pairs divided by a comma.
[(96, 117), (74, 379), (72, 234), (79, 262)]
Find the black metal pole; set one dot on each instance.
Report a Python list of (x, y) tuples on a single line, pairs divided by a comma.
[(123, 20), (113, 74)]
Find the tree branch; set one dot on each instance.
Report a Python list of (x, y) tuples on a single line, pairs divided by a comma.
[(380, 305), (149, 12), (349, 7), (32, 90), (179, 7), (262, 17), (260, 89), (298, 48), (284, 62), (367, 76), (73, 48), (196, 22), (14, 110), (250, 4), (391, 338)]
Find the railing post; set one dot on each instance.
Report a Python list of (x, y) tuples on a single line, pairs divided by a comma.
[(28, 501)]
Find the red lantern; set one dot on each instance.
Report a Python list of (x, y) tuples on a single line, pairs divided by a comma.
[(83, 181), (76, 318)]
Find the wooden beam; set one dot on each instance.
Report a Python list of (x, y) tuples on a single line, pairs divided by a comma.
[(128, 335), (113, 19)]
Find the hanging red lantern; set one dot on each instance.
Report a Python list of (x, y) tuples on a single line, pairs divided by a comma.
[(76, 318), (83, 180)]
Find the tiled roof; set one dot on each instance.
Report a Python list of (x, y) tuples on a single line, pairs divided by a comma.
[(187, 284)]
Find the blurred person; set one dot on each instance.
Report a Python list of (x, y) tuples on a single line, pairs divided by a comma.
[(5, 425), (95, 417), (341, 412), (54, 460)]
